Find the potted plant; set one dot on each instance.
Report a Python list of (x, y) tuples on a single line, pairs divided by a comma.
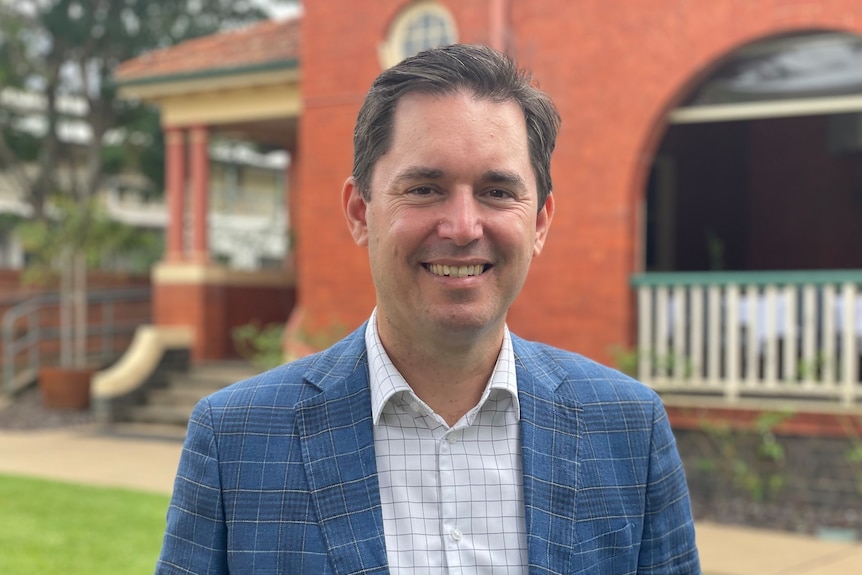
[(61, 247)]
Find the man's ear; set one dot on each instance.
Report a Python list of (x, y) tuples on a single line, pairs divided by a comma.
[(543, 224), (355, 208)]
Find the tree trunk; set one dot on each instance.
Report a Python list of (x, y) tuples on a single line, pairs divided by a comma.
[(80, 307), (65, 304)]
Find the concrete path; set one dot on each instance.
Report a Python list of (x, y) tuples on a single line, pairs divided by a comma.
[(123, 457), (91, 454)]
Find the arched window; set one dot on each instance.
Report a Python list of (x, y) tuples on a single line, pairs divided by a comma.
[(419, 26)]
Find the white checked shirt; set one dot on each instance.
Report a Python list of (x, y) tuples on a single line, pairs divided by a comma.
[(452, 498)]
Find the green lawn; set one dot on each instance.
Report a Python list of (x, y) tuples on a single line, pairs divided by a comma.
[(49, 528)]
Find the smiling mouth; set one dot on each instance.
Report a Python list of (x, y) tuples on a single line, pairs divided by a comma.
[(457, 271)]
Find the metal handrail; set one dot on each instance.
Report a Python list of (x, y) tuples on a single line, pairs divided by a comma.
[(34, 335)]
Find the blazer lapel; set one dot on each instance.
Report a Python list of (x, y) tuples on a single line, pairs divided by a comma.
[(550, 435), (337, 441)]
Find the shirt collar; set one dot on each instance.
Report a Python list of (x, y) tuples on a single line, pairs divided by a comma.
[(386, 381)]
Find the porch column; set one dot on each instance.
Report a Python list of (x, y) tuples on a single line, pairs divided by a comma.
[(200, 179), (294, 345), (175, 189)]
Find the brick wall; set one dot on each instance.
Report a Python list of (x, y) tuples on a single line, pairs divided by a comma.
[(214, 310), (614, 70)]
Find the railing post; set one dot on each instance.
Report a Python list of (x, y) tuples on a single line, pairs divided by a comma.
[(809, 330), (660, 348), (753, 329), (731, 352), (107, 330), (644, 350), (713, 338), (791, 301), (678, 359), (829, 329), (696, 333), (770, 371), (34, 323), (8, 352), (849, 351)]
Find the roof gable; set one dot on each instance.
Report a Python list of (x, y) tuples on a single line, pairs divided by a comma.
[(258, 45)]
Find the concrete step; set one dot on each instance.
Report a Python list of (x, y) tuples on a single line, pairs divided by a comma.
[(172, 406), (213, 377)]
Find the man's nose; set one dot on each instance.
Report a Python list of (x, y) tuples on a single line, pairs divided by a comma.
[(461, 220)]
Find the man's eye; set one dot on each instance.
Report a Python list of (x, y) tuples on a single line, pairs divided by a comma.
[(422, 191), (501, 194)]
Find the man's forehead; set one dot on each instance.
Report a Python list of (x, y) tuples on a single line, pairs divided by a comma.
[(417, 105), (418, 97)]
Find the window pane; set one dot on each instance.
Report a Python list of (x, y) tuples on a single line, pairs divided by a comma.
[(425, 31)]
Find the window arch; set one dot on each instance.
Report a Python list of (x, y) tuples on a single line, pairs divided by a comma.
[(417, 27)]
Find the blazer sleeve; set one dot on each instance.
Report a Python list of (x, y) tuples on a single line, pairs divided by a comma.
[(668, 540), (195, 538)]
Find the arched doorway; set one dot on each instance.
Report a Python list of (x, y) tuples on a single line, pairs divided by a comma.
[(761, 167), (758, 181)]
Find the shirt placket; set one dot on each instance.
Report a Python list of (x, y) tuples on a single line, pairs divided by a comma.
[(453, 529)]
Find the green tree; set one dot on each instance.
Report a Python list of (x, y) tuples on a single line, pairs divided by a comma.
[(62, 128), (58, 103)]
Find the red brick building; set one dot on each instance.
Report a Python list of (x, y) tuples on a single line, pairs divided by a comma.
[(708, 178), (760, 189)]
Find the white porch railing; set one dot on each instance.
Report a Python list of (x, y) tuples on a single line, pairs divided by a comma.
[(768, 334)]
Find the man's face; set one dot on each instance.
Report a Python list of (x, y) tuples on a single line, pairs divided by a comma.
[(453, 219)]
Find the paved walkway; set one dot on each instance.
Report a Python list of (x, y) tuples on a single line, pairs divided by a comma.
[(124, 458)]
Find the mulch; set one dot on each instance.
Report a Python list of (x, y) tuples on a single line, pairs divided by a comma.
[(26, 412)]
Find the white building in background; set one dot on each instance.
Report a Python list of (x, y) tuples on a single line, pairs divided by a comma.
[(248, 223)]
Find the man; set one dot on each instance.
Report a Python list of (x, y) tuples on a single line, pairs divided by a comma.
[(431, 440)]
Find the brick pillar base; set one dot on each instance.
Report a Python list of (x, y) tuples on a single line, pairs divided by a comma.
[(213, 300)]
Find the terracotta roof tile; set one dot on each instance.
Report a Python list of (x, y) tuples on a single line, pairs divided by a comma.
[(259, 43)]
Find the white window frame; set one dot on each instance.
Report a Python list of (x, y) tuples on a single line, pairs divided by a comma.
[(392, 50)]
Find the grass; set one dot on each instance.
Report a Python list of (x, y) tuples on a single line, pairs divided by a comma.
[(47, 527)]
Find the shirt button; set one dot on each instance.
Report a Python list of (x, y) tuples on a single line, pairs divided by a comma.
[(452, 438), (455, 534)]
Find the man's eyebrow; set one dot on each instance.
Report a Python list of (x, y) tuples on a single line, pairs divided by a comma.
[(504, 177), (417, 173)]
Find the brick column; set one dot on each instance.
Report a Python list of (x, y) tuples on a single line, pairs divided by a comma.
[(291, 198), (293, 344), (175, 190), (200, 181), (497, 25)]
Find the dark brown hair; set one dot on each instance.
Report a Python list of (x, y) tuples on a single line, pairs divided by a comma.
[(478, 69)]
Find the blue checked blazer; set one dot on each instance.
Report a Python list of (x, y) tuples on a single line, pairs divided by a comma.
[(278, 473)]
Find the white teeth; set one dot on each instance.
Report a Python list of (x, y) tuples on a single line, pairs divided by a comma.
[(456, 271)]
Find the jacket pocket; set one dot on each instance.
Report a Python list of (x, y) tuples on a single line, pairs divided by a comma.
[(611, 553)]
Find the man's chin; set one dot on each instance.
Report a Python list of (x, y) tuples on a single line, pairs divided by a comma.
[(464, 324)]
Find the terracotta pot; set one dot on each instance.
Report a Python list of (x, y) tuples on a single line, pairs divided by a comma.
[(65, 387)]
